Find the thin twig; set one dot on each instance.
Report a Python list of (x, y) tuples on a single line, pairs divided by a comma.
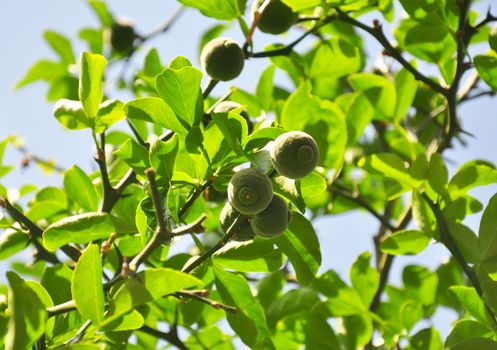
[(229, 234), (169, 336), (61, 308), (162, 233), (210, 302)]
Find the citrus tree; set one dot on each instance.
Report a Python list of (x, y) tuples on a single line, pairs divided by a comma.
[(241, 175)]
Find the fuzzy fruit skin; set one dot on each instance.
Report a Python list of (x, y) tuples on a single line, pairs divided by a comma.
[(227, 217), (276, 18), (226, 106), (294, 154), (250, 191), (222, 59), (122, 36), (273, 220)]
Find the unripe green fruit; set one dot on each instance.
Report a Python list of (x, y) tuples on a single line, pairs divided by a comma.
[(273, 220), (222, 59), (276, 18), (228, 216), (249, 191), (294, 154), (226, 106), (122, 36)]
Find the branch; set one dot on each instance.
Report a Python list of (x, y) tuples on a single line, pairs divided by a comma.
[(202, 299), (45, 162), (164, 27), (210, 86), (61, 308), (170, 337), (162, 233), (377, 32), (35, 232), (110, 195), (450, 244), (193, 197), (229, 234), (193, 227), (345, 193)]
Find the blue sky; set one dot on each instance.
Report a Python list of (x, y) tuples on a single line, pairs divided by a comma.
[(26, 113)]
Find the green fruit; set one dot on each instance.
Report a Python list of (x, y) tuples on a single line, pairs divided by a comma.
[(276, 18), (273, 220), (294, 154), (222, 59), (227, 217), (122, 36), (249, 191), (226, 106)]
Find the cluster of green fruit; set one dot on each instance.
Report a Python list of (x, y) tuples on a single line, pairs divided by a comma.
[(223, 59), (294, 155)]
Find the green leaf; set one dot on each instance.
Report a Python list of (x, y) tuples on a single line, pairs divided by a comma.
[(466, 241), (476, 343), (406, 242), (154, 110), (295, 303), (146, 286), (426, 339), (71, 115), (471, 175), (290, 189), (234, 128), (265, 87), (100, 9), (347, 59), (341, 299), (90, 82), (312, 184), (162, 157), (78, 229), (486, 65), (79, 188), (135, 155), (42, 70), (389, 165), (249, 322), (301, 245), (179, 88), (359, 330), (466, 330), (420, 284), (27, 315), (12, 242), (319, 334), (488, 230), (86, 285), (359, 115), (258, 255), (379, 91), (152, 64), (109, 113), (297, 5), (129, 321), (364, 278), (269, 288), (220, 9), (472, 302), (61, 45), (406, 86)]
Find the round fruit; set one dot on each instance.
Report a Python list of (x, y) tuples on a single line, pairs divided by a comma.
[(249, 191), (227, 217), (122, 36), (294, 154), (222, 59), (276, 18), (273, 220), (226, 106)]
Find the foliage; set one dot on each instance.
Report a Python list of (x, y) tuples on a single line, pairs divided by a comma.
[(103, 273)]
